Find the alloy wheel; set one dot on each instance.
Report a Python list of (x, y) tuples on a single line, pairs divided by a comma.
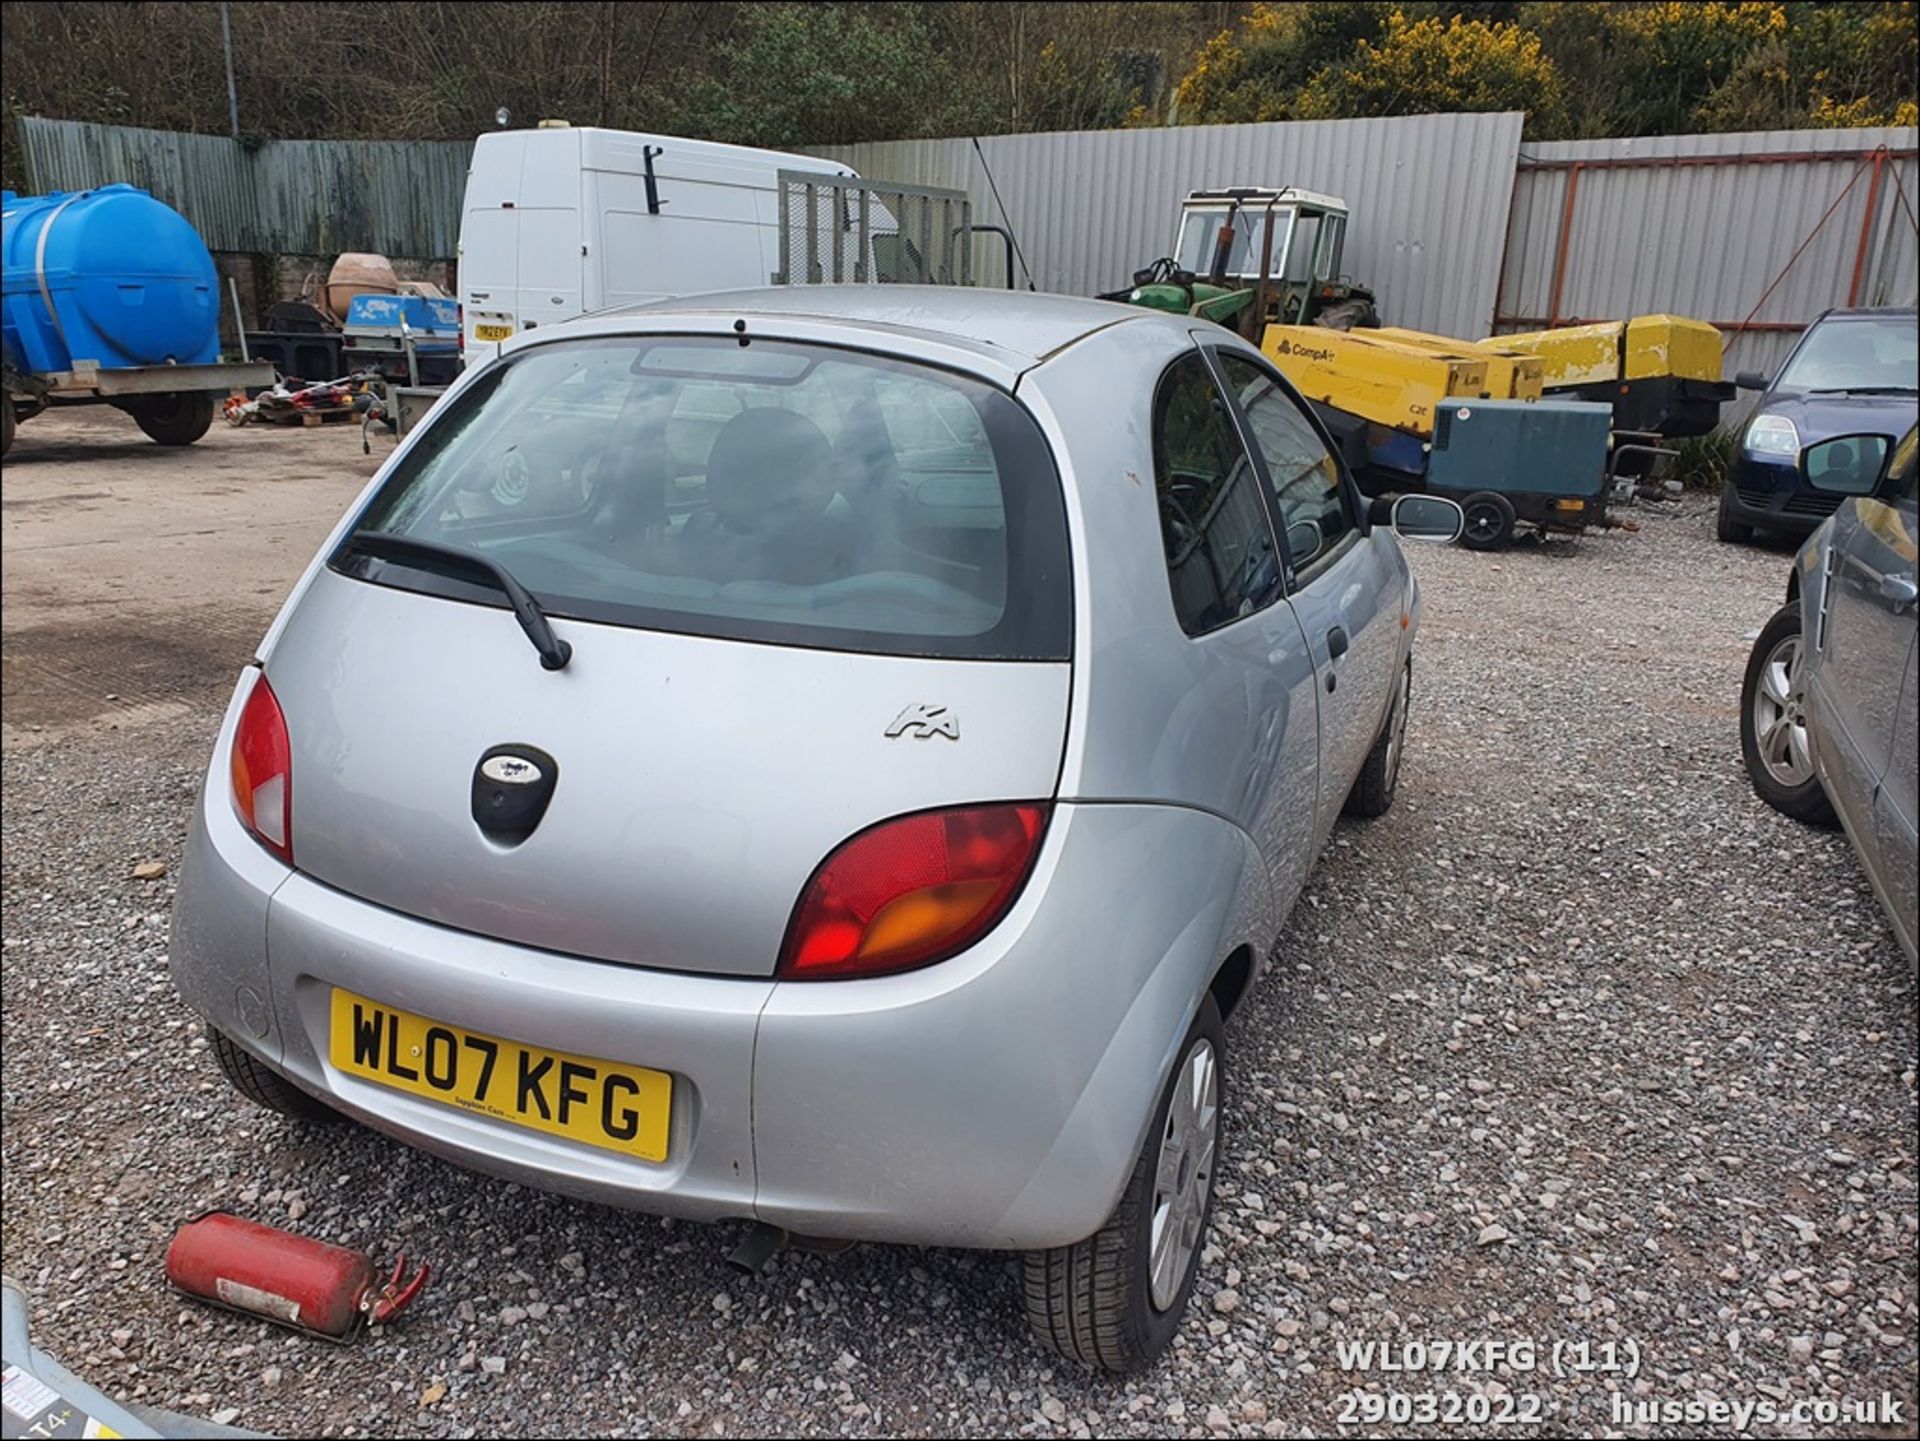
[(1183, 1174), (1779, 715)]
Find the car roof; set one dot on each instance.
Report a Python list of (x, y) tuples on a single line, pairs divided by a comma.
[(1870, 312), (1017, 324)]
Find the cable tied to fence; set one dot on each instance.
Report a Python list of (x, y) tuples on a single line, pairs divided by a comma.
[(1794, 259)]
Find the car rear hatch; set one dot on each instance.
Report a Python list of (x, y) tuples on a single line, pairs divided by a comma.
[(784, 627)]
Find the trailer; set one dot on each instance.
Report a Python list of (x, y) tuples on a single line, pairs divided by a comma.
[(110, 298)]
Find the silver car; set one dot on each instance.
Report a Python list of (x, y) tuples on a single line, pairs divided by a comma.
[(826, 758), (1828, 721)]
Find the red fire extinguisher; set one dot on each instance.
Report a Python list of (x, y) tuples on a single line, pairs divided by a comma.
[(309, 1285)]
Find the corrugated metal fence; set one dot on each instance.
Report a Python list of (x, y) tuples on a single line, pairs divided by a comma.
[(1757, 233), (293, 197), (1459, 229), (1429, 197)]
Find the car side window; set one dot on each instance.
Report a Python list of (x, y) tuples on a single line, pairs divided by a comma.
[(1222, 559), (1305, 475)]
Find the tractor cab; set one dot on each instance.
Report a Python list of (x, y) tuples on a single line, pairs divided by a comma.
[(1308, 234), (1251, 256)]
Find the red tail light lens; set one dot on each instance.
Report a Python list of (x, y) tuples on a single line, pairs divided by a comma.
[(263, 772), (911, 891)]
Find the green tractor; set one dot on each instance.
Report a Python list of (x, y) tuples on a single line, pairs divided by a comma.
[(1249, 257)]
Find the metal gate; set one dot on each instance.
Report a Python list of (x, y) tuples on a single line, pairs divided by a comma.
[(842, 230)]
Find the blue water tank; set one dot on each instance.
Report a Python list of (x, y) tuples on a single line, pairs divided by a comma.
[(111, 276)]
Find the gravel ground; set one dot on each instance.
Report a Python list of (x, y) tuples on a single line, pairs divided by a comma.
[(1580, 1043)]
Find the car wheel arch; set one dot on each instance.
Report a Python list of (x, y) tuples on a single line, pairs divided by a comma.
[(1233, 980), (1215, 952)]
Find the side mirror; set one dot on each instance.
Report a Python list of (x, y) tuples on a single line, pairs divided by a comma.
[(1750, 380), (1846, 464), (1304, 541), (1430, 518)]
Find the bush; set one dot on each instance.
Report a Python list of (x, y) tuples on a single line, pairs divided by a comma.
[(1430, 66), (1705, 460)]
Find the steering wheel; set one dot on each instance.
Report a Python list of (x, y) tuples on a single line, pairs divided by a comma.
[(512, 479)]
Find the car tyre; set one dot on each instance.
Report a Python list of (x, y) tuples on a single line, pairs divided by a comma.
[(1372, 793), (1115, 1299), (264, 1087), (1726, 525), (1489, 520), (178, 419), (1773, 732)]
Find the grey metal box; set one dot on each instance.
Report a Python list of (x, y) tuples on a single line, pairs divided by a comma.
[(1528, 447)]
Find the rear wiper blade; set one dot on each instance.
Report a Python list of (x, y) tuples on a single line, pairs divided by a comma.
[(430, 555)]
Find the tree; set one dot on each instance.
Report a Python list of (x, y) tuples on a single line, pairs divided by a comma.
[(824, 74), (1578, 37), (1672, 56), (1256, 71), (1072, 66), (1430, 66)]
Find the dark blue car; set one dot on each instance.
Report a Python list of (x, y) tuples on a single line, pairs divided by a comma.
[(1854, 372)]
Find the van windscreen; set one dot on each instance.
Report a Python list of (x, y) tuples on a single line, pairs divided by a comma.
[(778, 492)]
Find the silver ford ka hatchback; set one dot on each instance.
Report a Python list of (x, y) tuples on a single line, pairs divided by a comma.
[(826, 758)]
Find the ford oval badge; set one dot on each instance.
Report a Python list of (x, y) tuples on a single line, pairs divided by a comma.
[(511, 770), (511, 787)]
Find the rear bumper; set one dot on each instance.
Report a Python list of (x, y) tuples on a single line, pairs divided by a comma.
[(996, 1100), (699, 1029)]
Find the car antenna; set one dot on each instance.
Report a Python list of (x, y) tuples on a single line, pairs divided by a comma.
[(740, 329), (1004, 218)]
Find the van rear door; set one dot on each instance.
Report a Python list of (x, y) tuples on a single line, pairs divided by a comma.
[(521, 243)]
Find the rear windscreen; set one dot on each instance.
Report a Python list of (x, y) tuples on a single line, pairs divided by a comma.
[(772, 491)]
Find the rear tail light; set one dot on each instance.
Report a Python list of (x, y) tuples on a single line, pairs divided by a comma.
[(911, 891), (263, 772)]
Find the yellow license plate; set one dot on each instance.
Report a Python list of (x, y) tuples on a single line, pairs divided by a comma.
[(492, 332), (621, 1108)]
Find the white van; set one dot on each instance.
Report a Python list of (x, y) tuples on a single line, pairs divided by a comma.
[(560, 221)]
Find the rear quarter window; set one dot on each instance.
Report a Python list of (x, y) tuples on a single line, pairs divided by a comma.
[(773, 492)]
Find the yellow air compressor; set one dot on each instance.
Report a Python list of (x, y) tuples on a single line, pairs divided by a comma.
[(1660, 373), (1511, 374)]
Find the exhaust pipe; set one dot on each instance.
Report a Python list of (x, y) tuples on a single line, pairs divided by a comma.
[(765, 1241), (750, 1257)]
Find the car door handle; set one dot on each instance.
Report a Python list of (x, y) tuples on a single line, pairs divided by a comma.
[(1336, 647)]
